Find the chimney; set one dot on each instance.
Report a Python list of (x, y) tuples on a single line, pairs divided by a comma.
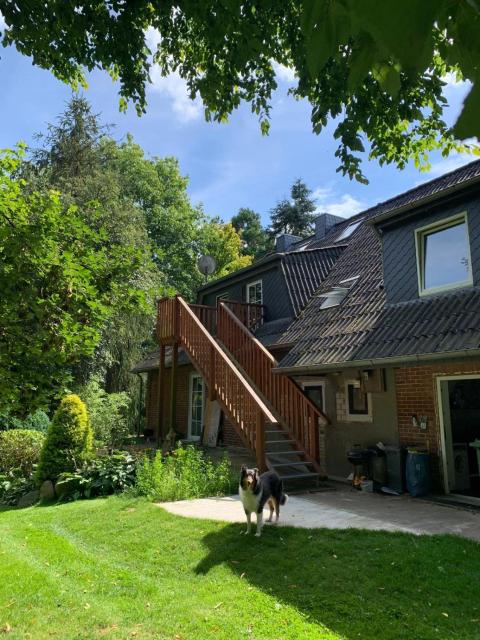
[(284, 241), (324, 222)]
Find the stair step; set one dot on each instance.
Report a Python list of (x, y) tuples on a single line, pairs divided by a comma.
[(293, 452), (298, 476), (302, 463), (280, 431), (279, 441)]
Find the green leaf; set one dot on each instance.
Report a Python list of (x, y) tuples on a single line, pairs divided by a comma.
[(468, 123)]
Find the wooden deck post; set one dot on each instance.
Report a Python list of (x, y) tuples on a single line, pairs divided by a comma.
[(260, 442), (173, 389), (211, 383), (160, 394)]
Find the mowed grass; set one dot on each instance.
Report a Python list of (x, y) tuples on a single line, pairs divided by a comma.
[(120, 568)]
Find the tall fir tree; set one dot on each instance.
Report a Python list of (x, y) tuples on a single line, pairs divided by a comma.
[(294, 216)]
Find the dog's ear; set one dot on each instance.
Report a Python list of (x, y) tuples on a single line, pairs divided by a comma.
[(243, 470)]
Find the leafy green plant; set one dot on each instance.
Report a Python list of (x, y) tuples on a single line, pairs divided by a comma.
[(20, 449), (100, 477), (13, 487), (107, 412), (69, 440), (187, 473)]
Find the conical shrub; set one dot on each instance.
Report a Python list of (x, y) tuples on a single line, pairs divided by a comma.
[(69, 440)]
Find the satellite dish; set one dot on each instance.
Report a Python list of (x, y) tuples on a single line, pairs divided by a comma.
[(206, 265)]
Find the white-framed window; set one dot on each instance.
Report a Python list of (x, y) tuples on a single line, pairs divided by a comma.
[(196, 406), (358, 404), (221, 296), (314, 389), (255, 292), (443, 255)]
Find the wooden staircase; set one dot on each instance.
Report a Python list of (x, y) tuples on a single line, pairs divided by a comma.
[(272, 415)]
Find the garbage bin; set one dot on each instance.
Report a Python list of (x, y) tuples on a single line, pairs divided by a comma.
[(476, 445), (378, 467), (416, 471), (395, 467)]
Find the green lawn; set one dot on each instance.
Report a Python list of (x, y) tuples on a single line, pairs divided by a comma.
[(119, 568)]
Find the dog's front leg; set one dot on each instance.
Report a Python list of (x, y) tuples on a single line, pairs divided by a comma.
[(249, 522), (259, 524)]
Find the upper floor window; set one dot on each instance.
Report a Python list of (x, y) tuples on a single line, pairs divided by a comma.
[(254, 292), (443, 255)]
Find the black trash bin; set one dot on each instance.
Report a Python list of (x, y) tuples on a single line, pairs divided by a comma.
[(417, 472), (378, 467), (395, 467)]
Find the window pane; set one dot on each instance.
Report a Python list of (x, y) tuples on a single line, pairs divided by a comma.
[(315, 394), (446, 257), (254, 293), (357, 401)]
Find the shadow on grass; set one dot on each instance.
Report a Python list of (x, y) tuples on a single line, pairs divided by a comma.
[(359, 583)]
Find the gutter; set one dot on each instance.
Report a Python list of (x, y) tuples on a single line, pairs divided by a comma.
[(377, 362), (412, 206)]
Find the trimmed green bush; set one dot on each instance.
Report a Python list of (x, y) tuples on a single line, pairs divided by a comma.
[(38, 421), (69, 440), (20, 449)]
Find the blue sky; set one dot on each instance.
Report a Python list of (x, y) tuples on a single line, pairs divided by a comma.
[(229, 165)]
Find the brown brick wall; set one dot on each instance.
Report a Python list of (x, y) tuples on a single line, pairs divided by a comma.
[(416, 391)]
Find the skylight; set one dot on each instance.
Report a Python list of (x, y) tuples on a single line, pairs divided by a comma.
[(333, 297), (337, 295), (347, 232)]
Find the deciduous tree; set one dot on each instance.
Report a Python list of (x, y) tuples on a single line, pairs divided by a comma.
[(376, 68)]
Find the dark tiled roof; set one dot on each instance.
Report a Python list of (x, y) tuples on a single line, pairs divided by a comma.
[(364, 327), (151, 361), (305, 270), (439, 324), (270, 332), (322, 336)]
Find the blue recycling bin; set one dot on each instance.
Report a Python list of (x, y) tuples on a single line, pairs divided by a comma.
[(417, 473)]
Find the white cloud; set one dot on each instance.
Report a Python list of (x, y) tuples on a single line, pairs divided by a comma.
[(283, 73), (345, 205), (172, 86), (152, 38), (3, 24), (176, 89), (454, 161)]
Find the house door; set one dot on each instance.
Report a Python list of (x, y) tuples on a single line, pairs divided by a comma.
[(460, 412), (196, 405)]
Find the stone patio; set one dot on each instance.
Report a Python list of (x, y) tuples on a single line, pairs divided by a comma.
[(340, 507)]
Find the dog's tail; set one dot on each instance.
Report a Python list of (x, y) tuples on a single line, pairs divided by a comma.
[(283, 496)]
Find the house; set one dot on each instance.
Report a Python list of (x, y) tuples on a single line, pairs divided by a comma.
[(367, 331)]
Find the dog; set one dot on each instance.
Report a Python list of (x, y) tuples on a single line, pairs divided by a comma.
[(255, 491)]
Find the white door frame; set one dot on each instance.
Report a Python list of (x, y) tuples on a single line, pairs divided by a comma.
[(194, 375), (439, 380)]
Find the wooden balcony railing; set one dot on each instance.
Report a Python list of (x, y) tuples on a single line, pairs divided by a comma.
[(249, 314), (298, 413), (207, 316), (225, 383)]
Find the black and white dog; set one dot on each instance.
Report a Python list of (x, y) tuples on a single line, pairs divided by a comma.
[(256, 490)]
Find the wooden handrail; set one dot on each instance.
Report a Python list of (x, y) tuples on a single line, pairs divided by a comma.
[(225, 382), (250, 314), (297, 411)]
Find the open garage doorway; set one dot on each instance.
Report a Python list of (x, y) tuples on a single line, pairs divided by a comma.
[(459, 402)]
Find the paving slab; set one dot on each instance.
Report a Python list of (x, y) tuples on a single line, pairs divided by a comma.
[(344, 509)]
